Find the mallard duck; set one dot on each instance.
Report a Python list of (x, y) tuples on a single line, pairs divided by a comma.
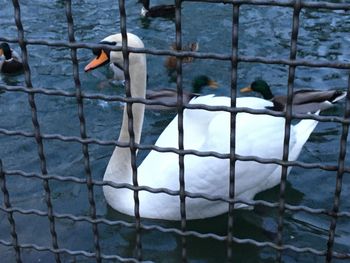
[(304, 101), (170, 61), (11, 64), (157, 11), (169, 96), (256, 135)]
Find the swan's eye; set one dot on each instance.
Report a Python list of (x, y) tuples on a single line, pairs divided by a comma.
[(96, 51), (108, 43)]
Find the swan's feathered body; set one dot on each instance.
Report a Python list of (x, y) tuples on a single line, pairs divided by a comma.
[(209, 131), (257, 135), (304, 100)]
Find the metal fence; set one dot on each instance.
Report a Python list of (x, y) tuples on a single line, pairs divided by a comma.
[(229, 239)]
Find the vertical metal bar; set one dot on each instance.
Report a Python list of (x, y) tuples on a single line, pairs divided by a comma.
[(291, 76), (180, 111), (339, 181), (36, 126), (10, 218), (234, 74), (132, 145), (85, 147)]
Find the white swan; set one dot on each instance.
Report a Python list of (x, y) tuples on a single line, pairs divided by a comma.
[(258, 135)]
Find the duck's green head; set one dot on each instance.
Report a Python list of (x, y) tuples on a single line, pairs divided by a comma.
[(261, 87), (5, 50), (201, 81)]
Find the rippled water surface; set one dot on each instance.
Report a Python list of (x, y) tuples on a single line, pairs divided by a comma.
[(263, 31)]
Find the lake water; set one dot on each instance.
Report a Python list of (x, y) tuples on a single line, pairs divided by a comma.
[(263, 31)]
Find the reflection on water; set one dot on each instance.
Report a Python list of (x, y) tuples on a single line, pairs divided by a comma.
[(263, 31)]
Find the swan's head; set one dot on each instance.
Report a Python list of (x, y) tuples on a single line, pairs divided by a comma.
[(261, 87), (105, 56)]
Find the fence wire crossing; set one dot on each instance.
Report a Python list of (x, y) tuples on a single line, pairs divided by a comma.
[(230, 239)]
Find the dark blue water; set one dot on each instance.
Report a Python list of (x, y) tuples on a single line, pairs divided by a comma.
[(264, 31)]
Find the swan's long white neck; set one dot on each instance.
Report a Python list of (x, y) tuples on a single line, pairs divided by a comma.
[(119, 166)]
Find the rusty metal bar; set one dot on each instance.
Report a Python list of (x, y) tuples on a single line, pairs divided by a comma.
[(291, 77), (36, 126), (292, 62), (83, 134)]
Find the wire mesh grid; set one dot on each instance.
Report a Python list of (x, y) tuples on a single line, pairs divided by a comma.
[(229, 239)]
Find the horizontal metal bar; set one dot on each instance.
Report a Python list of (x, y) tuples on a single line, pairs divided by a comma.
[(280, 3), (174, 150), (198, 55), (68, 251), (174, 193), (159, 228), (187, 106)]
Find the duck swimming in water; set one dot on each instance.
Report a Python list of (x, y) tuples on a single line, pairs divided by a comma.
[(169, 96), (157, 11), (11, 64), (170, 61), (304, 100)]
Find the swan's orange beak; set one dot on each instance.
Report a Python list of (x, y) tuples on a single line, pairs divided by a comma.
[(246, 89), (101, 60)]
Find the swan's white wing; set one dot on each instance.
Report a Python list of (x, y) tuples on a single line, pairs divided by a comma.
[(195, 133), (209, 131), (256, 135)]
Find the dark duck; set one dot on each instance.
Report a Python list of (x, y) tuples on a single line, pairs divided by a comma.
[(11, 64), (157, 11), (169, 96), (304, 100)]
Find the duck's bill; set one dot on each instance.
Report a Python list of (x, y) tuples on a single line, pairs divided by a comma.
[(99, 61), (246, 89), (213, 84)]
